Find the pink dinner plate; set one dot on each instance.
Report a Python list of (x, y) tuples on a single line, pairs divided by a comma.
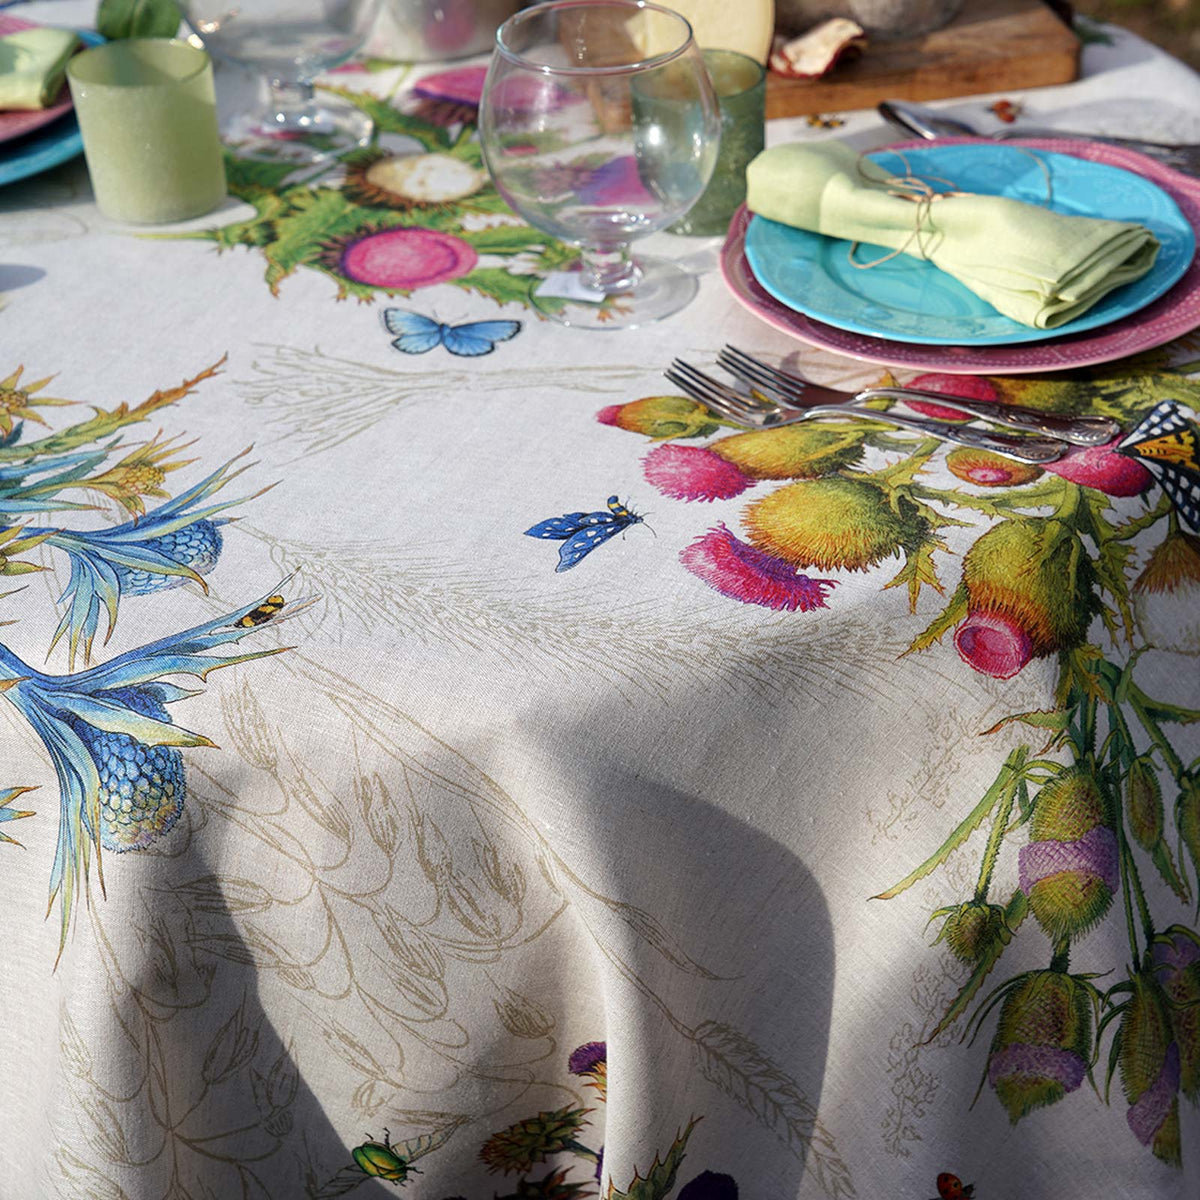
[(1172, 315), (18, 123)]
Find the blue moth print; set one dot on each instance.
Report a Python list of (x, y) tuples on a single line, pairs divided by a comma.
[(115, 749), (582, 532)]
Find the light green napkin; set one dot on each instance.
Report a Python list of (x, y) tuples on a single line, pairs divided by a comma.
[(1038, 267), (32, 63)]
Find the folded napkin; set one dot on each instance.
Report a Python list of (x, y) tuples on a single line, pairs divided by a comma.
[(1038, 267), (32, 63)]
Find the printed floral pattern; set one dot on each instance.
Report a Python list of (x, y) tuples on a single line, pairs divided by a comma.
[(115, 749), (389, 219), (1056, 553)]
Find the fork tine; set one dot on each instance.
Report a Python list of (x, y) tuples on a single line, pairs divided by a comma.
[(706, 397), (716, 395), (738, 362), (750, 403), (710, 385)]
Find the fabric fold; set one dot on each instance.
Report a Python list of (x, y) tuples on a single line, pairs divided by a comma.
[(1039, 267)]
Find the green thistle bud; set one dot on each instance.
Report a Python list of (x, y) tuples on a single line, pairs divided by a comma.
[(1070, 868), (1035, 575), (1069, 806), (1176, 957), (833, 522), (1042, 1044), (791, 452), (1144, 803), (1149, 1067), (662, 417), (1187, 818), (972, 929)]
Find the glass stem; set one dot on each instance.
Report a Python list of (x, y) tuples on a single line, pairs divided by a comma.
[(609, 270), (288, 101)]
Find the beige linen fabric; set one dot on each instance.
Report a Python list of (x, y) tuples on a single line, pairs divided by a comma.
[(479, 815)]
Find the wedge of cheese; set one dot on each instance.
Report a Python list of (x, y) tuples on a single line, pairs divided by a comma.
[(743, 25)]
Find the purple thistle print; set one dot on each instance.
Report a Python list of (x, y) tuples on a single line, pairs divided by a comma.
[(1093, 854), (743, 572), (1147, 1114), (585, 1059), (1037, 1062)]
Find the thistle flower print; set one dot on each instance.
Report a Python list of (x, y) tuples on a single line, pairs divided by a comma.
[(174, 543), (532, 1141), (972, 930), (1029, 587), (591, 1061), (19, 403), (1043, 1042), (115, 750), (745, 573), (1069, 869), (693, 473), (661, 417), (1149, 1065), (1176, 965), (1166, 596)]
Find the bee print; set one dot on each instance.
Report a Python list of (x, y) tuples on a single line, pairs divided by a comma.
[(1007, 110), (950, 1187), (820, 121), (263, 613)]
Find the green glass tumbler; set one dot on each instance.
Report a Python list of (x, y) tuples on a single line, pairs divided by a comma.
[(148, 115), (741, 86)]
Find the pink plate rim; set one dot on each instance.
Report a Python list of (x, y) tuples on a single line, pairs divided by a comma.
[(16, 124), (1168, 317)]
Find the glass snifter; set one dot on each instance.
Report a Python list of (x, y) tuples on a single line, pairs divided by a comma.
[(599, 125)]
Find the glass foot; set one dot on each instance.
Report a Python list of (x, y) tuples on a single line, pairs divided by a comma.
[(662, 288), (316, 128)]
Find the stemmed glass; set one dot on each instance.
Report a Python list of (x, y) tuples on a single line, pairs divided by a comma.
[(289, 43), (599, 125)]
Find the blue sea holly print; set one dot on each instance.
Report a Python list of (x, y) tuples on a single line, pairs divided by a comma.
[(116, 750)]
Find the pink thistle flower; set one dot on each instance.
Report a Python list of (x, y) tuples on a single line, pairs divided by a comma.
[(742, 572), (1102, 468), (993, 645), (406, 259), (966, 387), (608, 415), (693, 473), (460, 85)]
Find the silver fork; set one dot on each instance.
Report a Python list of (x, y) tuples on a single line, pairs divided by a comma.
[(760, 412), (791, 390)]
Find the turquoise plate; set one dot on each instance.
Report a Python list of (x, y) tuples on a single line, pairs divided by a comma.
[(55, 143), (909, 300)]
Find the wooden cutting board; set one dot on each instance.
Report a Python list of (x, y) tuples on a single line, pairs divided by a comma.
[(992, 46)]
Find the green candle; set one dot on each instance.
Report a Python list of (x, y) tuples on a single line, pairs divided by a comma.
[(741, 86), (147, 112)]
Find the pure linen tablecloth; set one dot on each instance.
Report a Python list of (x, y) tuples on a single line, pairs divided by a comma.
[(681, 874)]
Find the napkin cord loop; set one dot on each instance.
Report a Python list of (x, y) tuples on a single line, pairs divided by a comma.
[(920, 191)]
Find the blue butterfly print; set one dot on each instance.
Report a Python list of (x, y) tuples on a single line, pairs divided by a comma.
[(582, 532), (417, 334)]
